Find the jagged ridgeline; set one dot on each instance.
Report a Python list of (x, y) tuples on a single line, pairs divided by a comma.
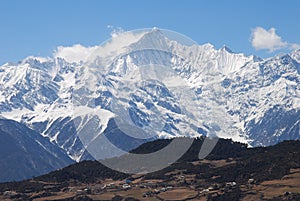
[(46, 103)]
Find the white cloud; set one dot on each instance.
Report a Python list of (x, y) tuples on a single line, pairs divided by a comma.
[(295, 46), (116, 45), (115, 30), (111, 47), (262, 39), (75, 53)]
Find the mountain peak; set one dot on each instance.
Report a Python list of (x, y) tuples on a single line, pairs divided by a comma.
[(152, 39), (225, 48), (154, 34), (41, 93), (295, 55), (156, 30), (208, 46)]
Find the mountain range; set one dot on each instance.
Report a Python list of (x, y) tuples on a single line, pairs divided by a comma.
[(141, 86)]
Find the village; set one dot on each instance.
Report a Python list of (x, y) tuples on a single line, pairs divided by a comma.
[(179, 187), (204, 180)]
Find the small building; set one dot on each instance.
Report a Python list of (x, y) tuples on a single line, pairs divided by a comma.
[(87, 190), (230, 185), (251, 181), (126, 186), (128, 181), (210, 188), (205, 191), (80, 192), (169, 188)]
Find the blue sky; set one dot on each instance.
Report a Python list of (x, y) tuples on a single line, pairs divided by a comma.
[(35, 27)]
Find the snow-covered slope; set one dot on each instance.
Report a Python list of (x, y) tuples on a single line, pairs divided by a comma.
[(198, 90)]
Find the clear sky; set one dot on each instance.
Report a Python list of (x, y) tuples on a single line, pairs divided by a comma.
[(37, 27)]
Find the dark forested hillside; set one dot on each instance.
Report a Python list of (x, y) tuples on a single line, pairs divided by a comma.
[(229, 161)]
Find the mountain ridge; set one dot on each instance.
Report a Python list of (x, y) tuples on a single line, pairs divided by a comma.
[(25, 153), (234, 95)]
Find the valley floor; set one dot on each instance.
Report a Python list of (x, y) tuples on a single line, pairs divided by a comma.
[(181, 187), (231, 172)]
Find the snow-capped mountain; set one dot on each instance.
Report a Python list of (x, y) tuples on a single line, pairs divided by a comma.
[(198, 90)]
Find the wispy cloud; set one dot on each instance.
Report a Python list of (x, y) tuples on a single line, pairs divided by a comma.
[(78, 52), (115, 30), (262, 39), (295, 46), (75, 53)]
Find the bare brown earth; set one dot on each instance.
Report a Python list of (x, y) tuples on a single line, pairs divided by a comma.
[(204, 180), (179, 194), (275, 188), (288, 183), (265, 190)]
